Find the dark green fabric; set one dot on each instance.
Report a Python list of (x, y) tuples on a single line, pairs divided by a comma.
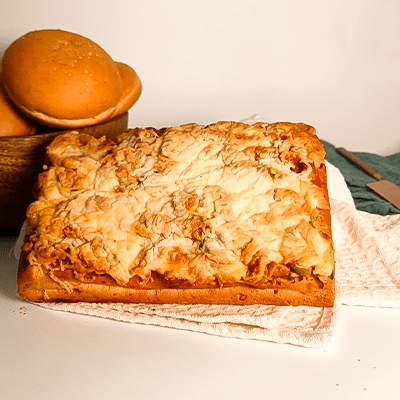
[(356, 179)]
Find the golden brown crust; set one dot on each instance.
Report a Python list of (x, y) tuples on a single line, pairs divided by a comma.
[(131, 88), (37, 286), (185, 214), (61, 79), (12, 121)]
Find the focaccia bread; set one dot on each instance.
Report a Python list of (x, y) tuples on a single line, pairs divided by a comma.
[(227, 213)]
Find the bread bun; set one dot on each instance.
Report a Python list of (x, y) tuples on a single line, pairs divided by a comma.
[(61, 79), (131, 88), (12, 121)]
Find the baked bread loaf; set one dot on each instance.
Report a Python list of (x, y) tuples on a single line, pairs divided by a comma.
[(227, 213), (12, 121), (61, 79), (131, 88)]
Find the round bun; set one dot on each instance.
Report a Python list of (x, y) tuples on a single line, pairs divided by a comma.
[(61, 79), (12, 121), (131, 88)]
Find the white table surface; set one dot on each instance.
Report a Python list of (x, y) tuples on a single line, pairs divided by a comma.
[(47, 354)]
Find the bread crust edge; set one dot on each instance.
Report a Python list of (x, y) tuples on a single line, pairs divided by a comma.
[(35, 285)]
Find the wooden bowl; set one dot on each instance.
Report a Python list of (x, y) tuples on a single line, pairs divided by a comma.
[(22, 159)]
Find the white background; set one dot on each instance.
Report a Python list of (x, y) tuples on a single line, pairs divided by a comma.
[(331, 64)]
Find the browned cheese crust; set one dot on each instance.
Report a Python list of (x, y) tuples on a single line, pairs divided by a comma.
[(227, 213)]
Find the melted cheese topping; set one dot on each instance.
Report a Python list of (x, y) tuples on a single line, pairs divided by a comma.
[(225, 203)]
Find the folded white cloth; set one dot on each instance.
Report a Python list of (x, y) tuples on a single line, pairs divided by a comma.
[(367, 253), (367, 257)]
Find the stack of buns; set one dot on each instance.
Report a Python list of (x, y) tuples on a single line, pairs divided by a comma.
[(61, 80)]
